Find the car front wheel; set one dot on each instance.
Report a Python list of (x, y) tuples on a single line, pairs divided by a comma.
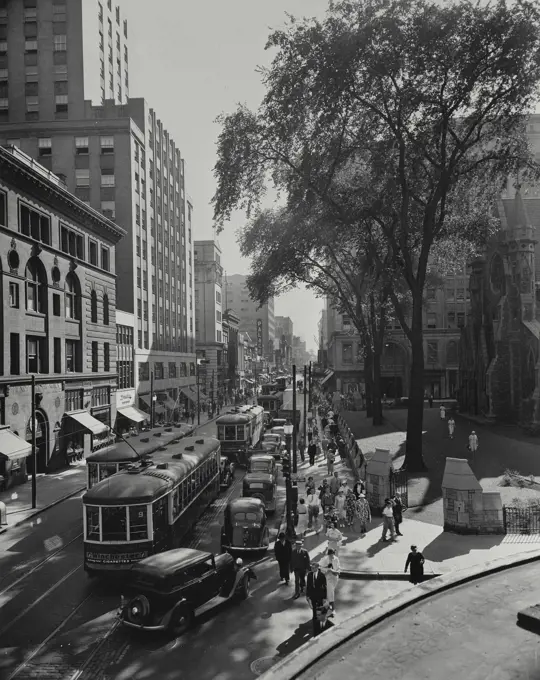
[(181, 620), (245, 588)]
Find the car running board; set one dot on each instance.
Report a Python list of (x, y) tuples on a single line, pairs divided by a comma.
[(211, 604)]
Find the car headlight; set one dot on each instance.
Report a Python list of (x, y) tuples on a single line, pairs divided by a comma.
[(135, 611)]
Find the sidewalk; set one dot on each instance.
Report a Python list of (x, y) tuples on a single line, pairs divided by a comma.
[(51, 490), (370, 558)]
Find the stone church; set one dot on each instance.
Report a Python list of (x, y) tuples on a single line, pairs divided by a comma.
[(499, 358)]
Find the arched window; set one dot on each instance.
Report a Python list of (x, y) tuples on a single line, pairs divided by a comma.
[(93, 306), (452, 352), (36, 286), (105, 309), (73, 297)]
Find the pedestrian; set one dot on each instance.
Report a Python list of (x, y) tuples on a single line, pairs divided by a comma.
[(442, 412), (312, 452), (397, 508), (324, 444), (473, 443), (315, 431), (359, 488), (350, 507), (334, 483), (300, 567), (416, 562), (310, 486), (327, 497), (316, 594), (363, 513), (388, 520), (283, 551), (335, 537), (192, 414), (451, 427), (302, 524), (430, 401), (330, 458), (314, 508), (340, 507), (302, 450), (331, 568), (324, 423)]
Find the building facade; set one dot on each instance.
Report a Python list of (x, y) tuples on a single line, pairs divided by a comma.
[(283, 342), (258, 322), (58, 318)]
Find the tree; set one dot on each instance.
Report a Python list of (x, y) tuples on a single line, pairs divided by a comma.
[(401, 118)]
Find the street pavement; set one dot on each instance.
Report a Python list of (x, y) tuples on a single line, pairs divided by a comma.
[(468, 631)]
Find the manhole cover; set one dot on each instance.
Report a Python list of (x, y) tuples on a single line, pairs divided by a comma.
[(260, 666)]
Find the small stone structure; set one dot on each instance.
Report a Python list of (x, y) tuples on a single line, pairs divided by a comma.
[(378, 478), (467, 508)]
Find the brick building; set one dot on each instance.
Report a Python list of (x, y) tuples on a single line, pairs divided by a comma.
[(58, 317)]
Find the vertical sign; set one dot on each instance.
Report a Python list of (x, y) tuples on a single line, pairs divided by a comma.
[(259, 337)]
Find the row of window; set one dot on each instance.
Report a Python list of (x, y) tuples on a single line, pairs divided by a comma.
[(37, 355), (74, 399), (432, 355), (124, 335), (126, 374), (37, 225), (82, 177), (82, 146), (159, 372)]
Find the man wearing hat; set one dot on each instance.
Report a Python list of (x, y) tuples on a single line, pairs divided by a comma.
[(331, 568), (316, 595), (300, 566)]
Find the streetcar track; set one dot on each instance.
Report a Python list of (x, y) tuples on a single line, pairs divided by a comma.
[(38, 566)]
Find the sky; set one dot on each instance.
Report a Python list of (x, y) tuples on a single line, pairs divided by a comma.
[(192, 60)]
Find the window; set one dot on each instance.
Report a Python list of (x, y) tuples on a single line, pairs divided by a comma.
[(107, 178), (93, 307), (45, 146), (218, 336), (346, 353), (35, 354), (172, 369), (346, 320), (30, 46), (35, 224), (431, 320), (138, 522), (14, 294), (218, 315), (60, 43), (14, 354), (3, 209), (158, 370), (432, 352), (461, 294), (82, 177), (57, 355), (144, 370), (218, 297), (71, 362), (452, 353), (81, 146), (61, 102), (93, 252), (450, 294), (71, 242), (95, 366), (32, 104), (107, 145), (105, 262), (36, 287), (59, 13), (138, 277), (431, 294), (105, 309), (461, 319), (72, 297), (56, 304), (451, 316), (30, 13), (114, 524), (106, 356), (108, 208)]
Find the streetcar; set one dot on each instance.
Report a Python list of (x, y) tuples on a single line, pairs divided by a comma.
[(270, 403), (150, 507), (240, 430), (282, 382), (130, 451)]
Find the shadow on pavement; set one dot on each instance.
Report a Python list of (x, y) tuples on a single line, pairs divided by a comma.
[(300, 636), (445, 546)]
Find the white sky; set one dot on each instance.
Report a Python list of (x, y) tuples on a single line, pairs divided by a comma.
[(192, 60)]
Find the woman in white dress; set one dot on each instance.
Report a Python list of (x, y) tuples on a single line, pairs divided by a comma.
[(334, 537), (331, 568), (302, 526), (340, 507)]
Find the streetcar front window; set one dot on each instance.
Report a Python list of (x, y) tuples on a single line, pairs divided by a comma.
[(114, 523), (92, 474), (138, 523), (221, 432), (240, 432), (107, 470), (230, 433), (92, 523)]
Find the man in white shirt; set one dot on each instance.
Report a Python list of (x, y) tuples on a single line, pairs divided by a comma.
[(388, 521), (331, 568), (314, 508), (473, 442)]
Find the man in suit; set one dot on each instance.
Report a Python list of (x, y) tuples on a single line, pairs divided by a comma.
[(283, 553), (299, 565), (316, 594)]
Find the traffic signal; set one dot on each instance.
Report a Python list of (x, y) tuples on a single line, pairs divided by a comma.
[(286, 465)]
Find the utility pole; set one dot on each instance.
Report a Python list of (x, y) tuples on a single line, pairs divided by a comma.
[(151, 399), (295, 434), (305, 403), (34, 451), (198, 396), (310, 388)]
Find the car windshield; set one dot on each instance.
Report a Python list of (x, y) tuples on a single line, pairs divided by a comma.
[(246, 516), (259, 466), (271, 437)]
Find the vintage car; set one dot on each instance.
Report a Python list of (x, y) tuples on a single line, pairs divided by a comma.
[(261, 485), (244, 526), (273, 438), (279, 422), (168, 590), (271, 448), (263, 462)]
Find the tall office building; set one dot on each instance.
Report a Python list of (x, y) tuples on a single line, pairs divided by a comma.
[(119, 160), (258, 322)]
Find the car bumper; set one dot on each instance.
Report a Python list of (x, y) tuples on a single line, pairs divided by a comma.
[(142, 626), (244, 548)]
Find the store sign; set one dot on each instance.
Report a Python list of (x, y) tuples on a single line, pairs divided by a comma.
[(125, 398), (259, 337)]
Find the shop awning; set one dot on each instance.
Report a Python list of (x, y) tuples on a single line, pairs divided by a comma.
[(158, 408), (169, 403), (12, 447), (327, 377), (133, 414), (145, 398), (88, 422)]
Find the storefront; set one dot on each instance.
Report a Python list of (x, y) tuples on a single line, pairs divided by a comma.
[(129, 417), (13, 453), (84, 434)]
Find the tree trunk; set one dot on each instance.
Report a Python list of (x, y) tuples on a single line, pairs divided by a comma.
[(377, 403), (414, 460), (368, 377)]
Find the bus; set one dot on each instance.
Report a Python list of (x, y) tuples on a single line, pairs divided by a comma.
[(131, 451), (149, 508), (240, 430)]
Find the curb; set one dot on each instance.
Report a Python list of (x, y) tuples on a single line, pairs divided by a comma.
[(351, 575), (294, 667)]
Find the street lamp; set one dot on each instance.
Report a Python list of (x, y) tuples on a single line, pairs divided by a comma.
[(288, 429)]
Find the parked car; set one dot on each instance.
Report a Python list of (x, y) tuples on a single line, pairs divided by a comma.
[(273, 438), (244, 526), (261, 485), (261, 462), (274, 449), (280, 430), (169, 590)]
